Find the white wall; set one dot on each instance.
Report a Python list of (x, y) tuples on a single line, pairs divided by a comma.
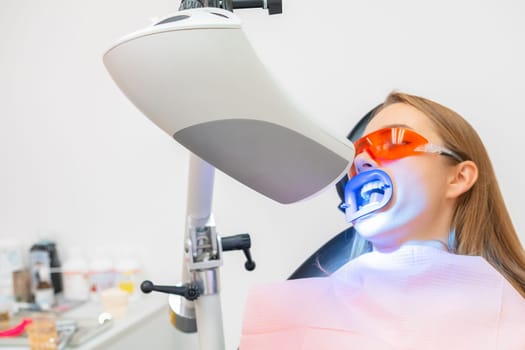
[(78, 163)]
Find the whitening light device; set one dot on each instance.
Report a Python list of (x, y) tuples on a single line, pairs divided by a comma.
[(196, 76)]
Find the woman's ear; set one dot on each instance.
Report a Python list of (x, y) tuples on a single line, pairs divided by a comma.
[(462, 177)]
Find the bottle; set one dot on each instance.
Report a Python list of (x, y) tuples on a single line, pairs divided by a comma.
[(22, 285), (10, 262), (101, 273), (127, 273), (44, 265), (44, 293), (75, 276)]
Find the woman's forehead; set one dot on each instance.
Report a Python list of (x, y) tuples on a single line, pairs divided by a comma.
[(403, 115)]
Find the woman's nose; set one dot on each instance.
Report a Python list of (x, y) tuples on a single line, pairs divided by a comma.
[(363, 162)]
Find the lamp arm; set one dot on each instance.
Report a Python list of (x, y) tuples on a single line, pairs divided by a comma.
[(199, 198), (195, 304), (203, 255)]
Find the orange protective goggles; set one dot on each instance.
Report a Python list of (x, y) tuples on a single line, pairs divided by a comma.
[(395, 143)]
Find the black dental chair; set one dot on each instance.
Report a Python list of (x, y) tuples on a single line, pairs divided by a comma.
[(347, 244)]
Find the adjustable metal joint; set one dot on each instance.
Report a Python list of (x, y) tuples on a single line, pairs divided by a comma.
[(203, 249)]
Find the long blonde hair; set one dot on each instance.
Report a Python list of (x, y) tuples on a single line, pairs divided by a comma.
[(482, 223)]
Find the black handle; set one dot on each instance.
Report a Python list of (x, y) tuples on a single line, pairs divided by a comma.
[(274, 6), (240, 242), (190, 291)]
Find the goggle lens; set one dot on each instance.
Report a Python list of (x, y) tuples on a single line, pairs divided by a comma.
[(389, 144)]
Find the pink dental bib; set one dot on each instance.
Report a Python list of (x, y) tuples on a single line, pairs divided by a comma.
[(417, 297)]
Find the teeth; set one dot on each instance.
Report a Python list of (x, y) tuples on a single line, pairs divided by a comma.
[(372, 187)]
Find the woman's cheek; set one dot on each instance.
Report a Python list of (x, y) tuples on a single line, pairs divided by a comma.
[(409, 201)]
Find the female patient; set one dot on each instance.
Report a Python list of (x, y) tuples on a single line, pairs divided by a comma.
[(447, 270)]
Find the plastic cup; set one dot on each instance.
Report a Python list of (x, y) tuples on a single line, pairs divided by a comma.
[(115, 302), (42, 334)]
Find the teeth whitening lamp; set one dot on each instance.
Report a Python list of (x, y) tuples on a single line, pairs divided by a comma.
[(195, 75)]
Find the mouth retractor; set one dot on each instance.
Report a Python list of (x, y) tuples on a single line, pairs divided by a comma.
[(366, 193)]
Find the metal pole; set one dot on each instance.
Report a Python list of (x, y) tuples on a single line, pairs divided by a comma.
[(208, 311)]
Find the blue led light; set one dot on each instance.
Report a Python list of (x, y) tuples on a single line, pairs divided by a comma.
[(366, 193)]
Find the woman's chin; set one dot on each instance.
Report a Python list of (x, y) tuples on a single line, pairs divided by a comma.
[(381, 229)]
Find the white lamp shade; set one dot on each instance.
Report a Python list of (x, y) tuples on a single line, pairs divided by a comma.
[(197, 77)]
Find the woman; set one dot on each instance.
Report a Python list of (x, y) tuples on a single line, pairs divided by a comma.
[(447, 269), (478, 214)]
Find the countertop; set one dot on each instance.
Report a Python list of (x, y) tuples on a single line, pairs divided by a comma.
[(140, 311)]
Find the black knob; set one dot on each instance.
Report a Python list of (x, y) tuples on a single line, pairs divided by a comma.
[(249, 265), (192, 291), (146, 287), (275, 7)]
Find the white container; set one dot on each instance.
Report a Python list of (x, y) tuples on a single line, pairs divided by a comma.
[(101, 275), (115, 302), (127, 276), (45, 297), (76, 278), (10, 261)]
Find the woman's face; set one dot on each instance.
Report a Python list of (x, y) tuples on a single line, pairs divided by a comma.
[(419, 209)]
